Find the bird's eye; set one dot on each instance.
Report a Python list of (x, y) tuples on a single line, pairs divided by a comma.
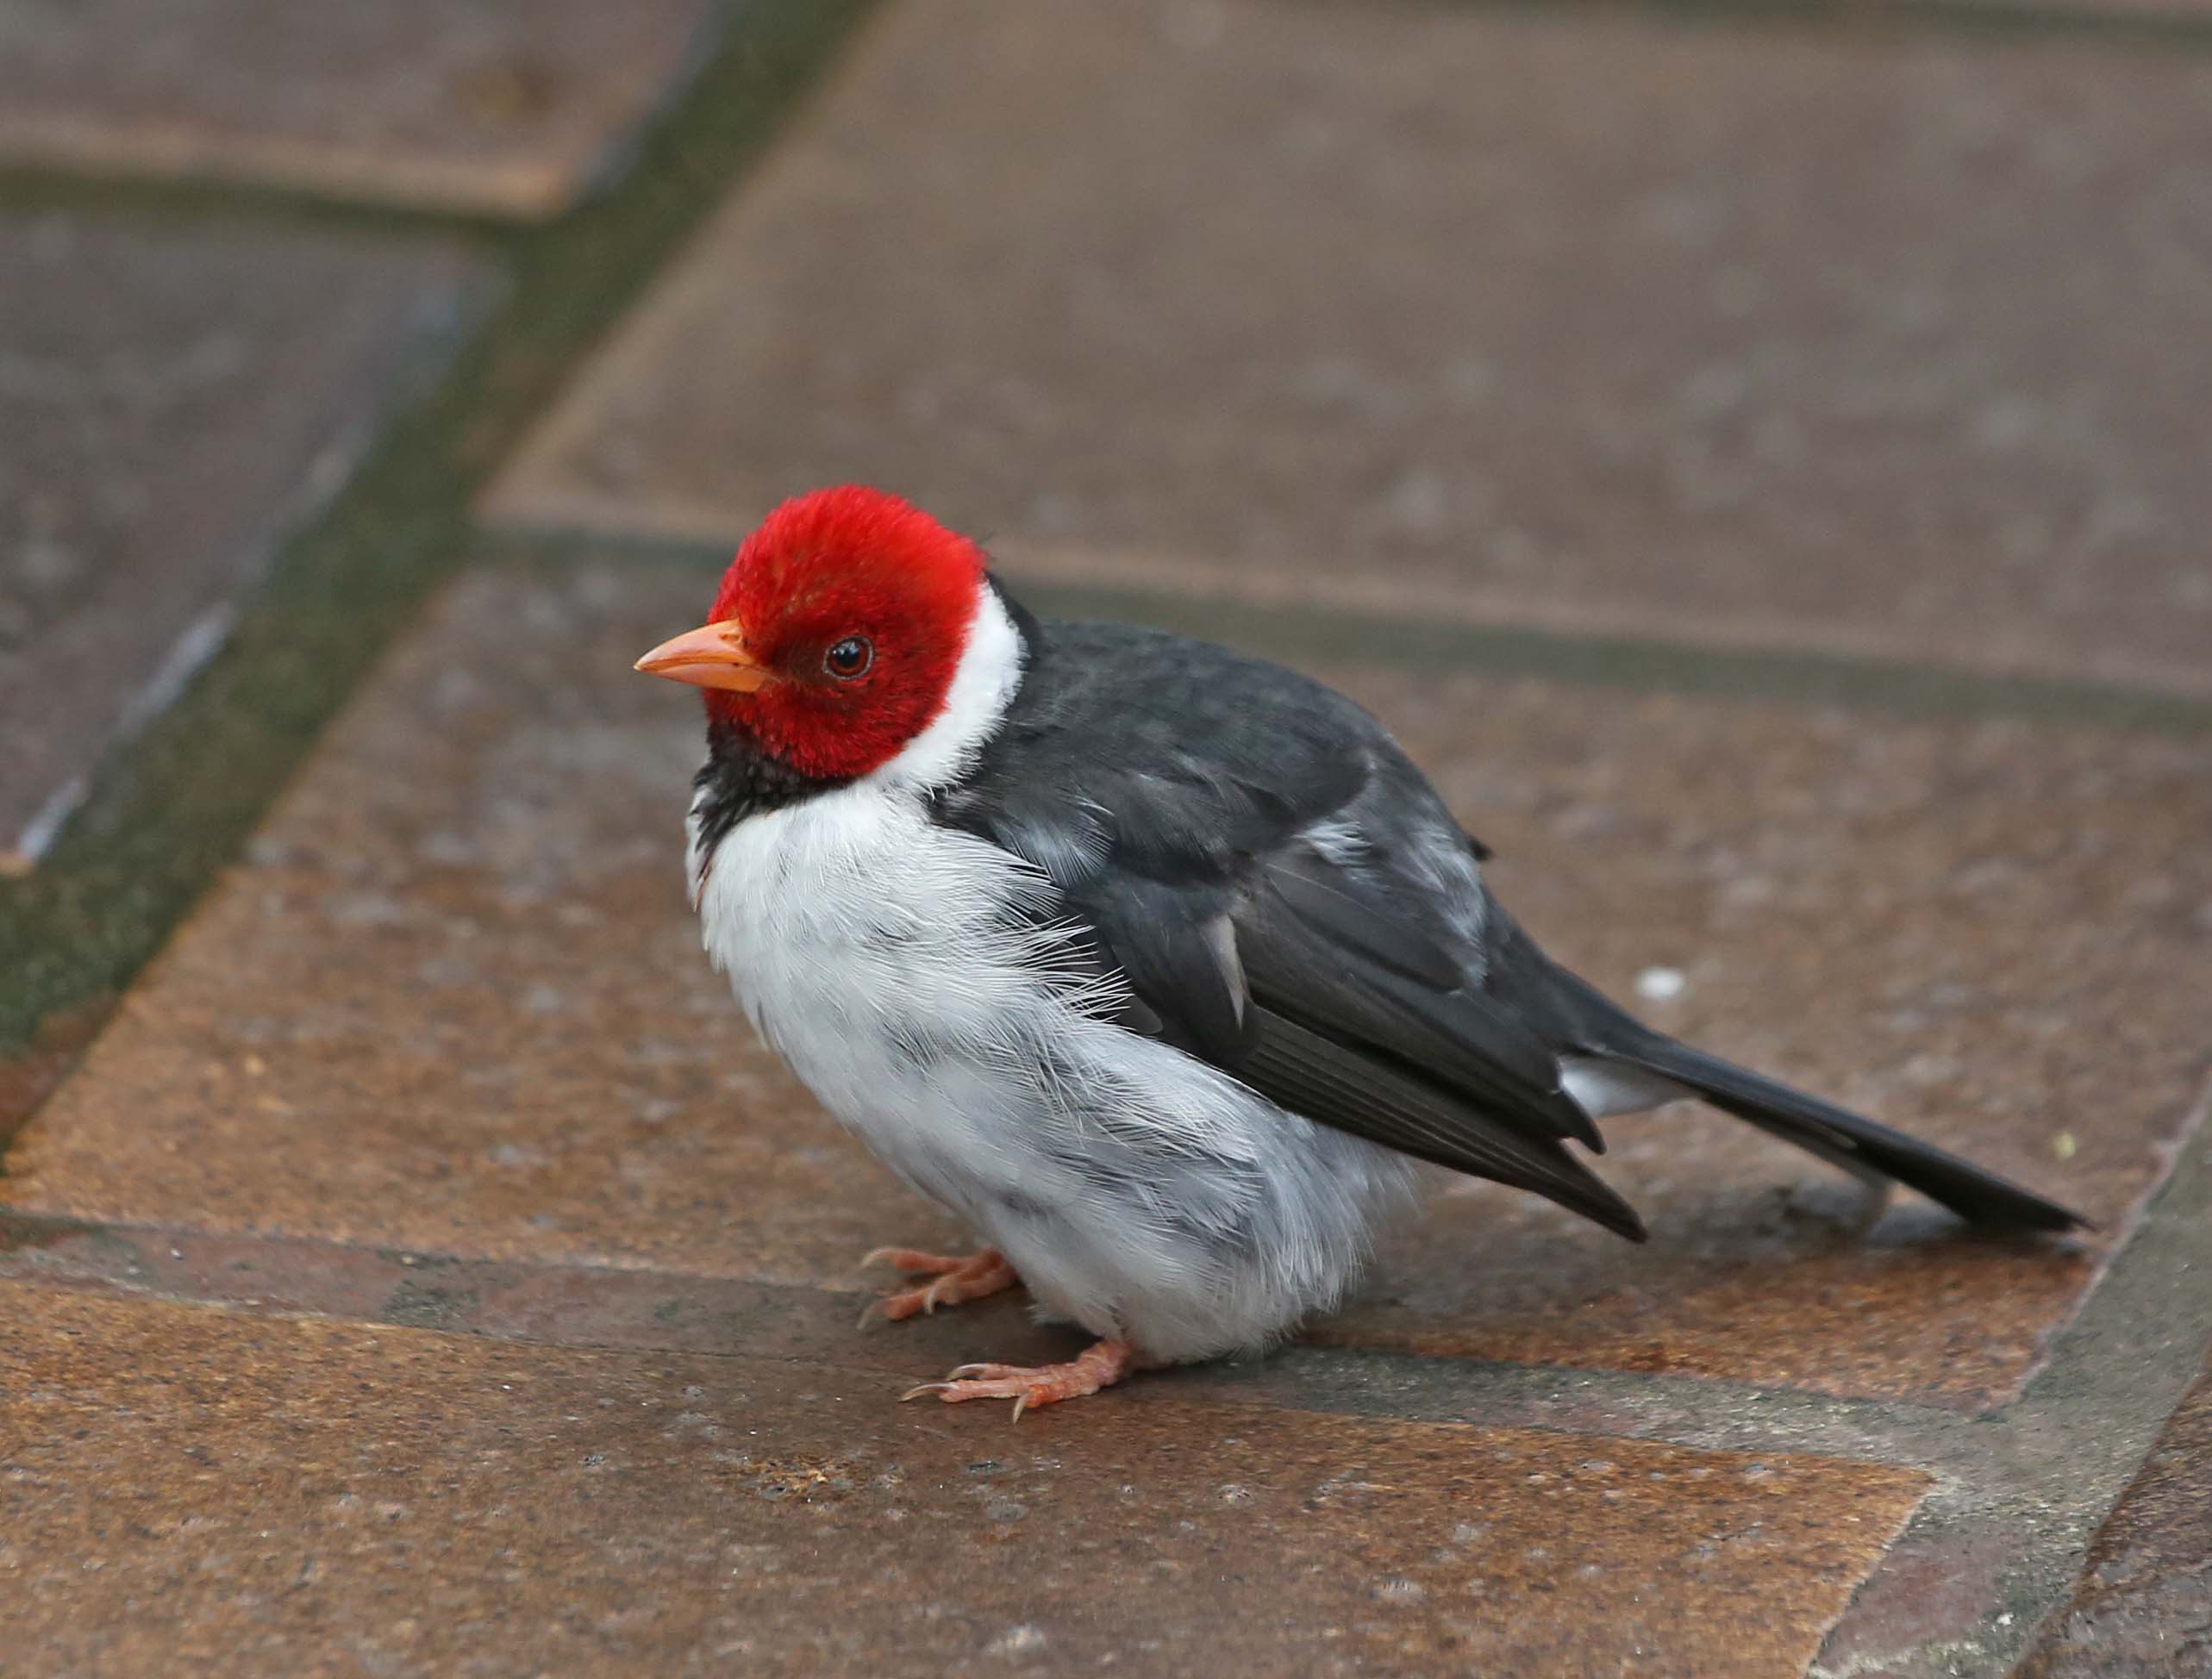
[(848, 658)]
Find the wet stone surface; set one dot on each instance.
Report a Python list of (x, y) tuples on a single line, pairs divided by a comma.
[(172, 400), (182, 1488), (1761, 335), (510, 106), (2144, 1608), (452, 1001)]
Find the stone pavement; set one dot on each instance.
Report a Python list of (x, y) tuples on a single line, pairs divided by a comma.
[(498, 107), (176, 399), (1754, 462)]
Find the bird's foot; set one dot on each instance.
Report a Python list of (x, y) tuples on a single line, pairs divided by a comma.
[(953, 1280), (1095, 1367)]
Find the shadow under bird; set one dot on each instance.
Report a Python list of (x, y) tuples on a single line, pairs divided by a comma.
[(1159, 966)]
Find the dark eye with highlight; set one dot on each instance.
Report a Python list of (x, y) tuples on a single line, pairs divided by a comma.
[(849, 657)]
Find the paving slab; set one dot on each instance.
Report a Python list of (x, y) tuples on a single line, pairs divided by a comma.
[(2144, 1606), (1767, 334), (453, 1002), (509, 107), (196, 1490), (174, 397)]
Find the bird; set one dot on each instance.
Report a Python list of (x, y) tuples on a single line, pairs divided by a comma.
[(1159, 966)]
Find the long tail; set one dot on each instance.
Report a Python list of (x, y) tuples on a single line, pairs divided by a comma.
[(1576, 1016), (1847, 1139)]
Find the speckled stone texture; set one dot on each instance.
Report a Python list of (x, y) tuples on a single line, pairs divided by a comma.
[(1762, 335), (452, 1001), (507, 106), (2144, 1608), (191, 1490), (173, 398)]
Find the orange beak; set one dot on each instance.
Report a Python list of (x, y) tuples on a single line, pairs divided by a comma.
[(711, 656)]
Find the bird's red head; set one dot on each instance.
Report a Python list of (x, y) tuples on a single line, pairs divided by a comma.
[(836, 633)]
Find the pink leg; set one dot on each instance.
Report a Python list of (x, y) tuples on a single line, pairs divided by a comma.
[(1098, 1366), (971, 1278)]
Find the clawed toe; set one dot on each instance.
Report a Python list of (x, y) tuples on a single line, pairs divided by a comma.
[(951, 1281), (1099, 1366), (913, 1260), (1024, 1393)]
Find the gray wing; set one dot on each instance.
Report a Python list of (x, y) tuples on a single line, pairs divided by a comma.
[(1286, 897)]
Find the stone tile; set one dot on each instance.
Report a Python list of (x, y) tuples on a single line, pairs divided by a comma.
[(173, 398), (453, 1002), (1594, 320), (195, 1490), (511, 107), (2144, 1608)]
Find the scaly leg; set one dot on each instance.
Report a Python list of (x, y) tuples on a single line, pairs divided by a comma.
[(1096, 1367), (969, 1277)]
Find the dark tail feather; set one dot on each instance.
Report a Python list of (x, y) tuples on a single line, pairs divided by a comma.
[(1849, 1140)]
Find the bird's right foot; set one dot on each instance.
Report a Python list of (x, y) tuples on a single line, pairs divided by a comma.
[(953, 1279), (1100, 1365)]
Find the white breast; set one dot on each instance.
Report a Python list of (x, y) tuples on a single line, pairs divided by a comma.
[(884, 957)]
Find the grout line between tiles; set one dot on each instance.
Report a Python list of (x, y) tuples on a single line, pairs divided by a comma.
[(569, 1303), (1429, 644), (2060, 1456)]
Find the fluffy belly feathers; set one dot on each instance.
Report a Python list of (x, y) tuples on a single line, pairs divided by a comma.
[(913, 978)]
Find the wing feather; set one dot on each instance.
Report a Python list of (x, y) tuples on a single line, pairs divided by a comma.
[(1309, 1074), (1285, 896)]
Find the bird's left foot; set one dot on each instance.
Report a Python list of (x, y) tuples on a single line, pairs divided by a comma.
[(1096, 1367), (970, 1277)]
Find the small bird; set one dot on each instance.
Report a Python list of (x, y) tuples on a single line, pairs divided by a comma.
[(1160, 967)]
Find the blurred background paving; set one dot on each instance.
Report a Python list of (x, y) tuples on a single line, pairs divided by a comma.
[(1584, 319), (496, 106), (1756, 463), (174, 398)]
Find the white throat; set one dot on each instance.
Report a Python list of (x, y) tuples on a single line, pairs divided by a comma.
[(983, 684)]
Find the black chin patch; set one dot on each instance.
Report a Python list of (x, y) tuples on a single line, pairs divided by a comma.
[(739, 780)]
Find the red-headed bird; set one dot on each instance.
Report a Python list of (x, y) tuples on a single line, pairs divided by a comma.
[(1158, 966)]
